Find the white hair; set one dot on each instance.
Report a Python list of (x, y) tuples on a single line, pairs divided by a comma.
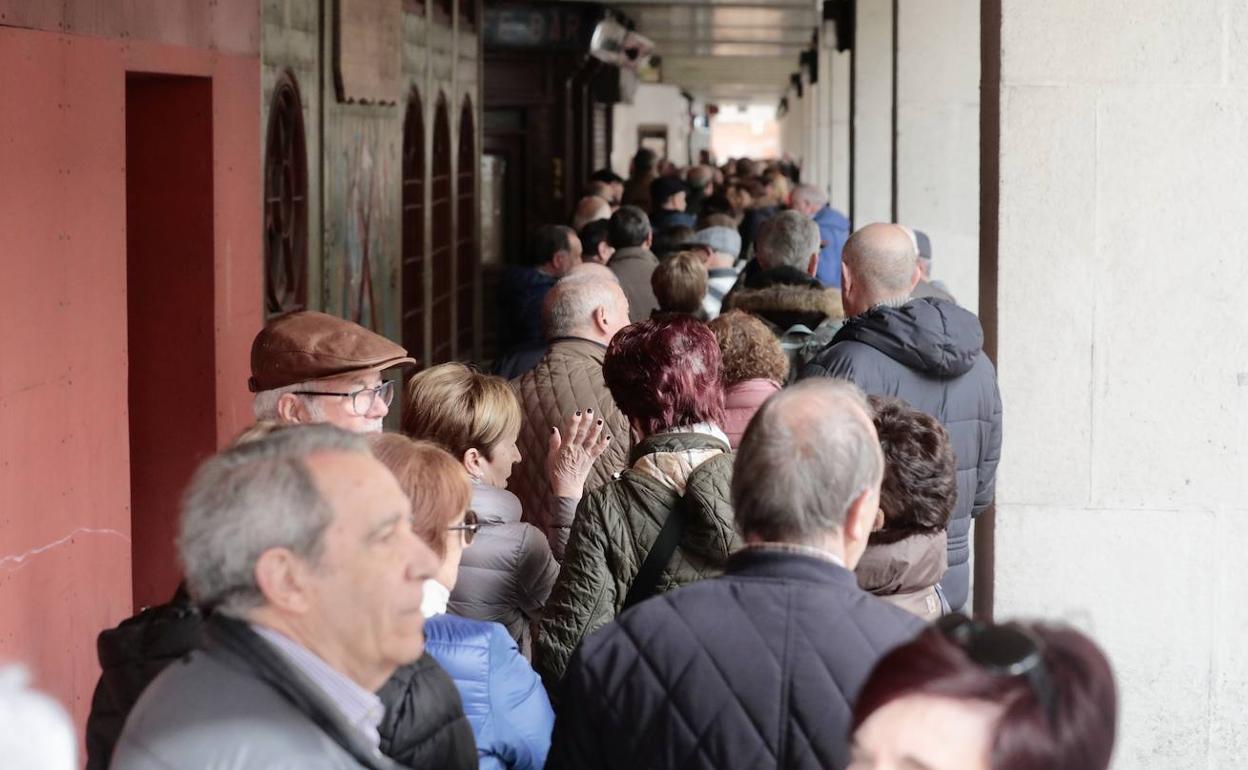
[(37, 733), (569, 306), (808, 193), (264, 403)]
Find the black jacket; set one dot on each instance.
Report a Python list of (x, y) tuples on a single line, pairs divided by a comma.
[(424, 723), (131, 655), (755, 669), (929, 352)]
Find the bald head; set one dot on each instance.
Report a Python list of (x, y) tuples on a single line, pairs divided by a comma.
[(589, 209), (809, 469), (880, 266)]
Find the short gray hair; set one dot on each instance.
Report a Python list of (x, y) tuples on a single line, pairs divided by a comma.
[(789, 238), (569, 306), (264, 403), (251, 498), (808, 193), (809, 452)]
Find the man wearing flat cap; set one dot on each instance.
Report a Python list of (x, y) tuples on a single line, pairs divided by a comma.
[(310, 367)]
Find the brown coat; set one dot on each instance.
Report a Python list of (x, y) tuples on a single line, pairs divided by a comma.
[(569, 377), (634, 266)]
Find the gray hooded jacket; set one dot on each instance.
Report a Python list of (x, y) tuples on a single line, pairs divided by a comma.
[(929, 352)]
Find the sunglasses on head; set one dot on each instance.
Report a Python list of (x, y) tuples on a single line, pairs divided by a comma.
[(1004, 650)]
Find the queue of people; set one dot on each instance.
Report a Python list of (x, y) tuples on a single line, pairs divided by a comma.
[(716, 515)]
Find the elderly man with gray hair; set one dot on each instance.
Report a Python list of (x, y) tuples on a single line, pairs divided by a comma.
[(757, 668), (302, 544), (812, 202), (580, 316), (804, 315)]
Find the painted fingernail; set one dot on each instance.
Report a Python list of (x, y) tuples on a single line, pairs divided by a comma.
[(553, 429), (600, 422), (590, 410), (608, 438), (578, 412)]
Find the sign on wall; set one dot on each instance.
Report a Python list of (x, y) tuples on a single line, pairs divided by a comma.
[(368, 37)]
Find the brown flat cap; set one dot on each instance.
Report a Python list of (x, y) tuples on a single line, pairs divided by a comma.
[(304, 346)]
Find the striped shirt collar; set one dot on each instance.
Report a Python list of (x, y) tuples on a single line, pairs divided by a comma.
[(362, 709)]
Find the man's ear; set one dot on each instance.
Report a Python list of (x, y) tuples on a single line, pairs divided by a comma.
[(859, 519), (281, 578), (916, 276), (847, 277), (649, 239), (879, 521), (813, 267), (291, 410)]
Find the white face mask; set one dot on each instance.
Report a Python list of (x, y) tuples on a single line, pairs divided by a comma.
[(436, 597)]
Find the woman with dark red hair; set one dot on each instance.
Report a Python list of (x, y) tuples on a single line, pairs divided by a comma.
[(667, 519), (966, 695)]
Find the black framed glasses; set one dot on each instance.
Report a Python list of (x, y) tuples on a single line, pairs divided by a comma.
[(362, 400), (1004, 650), (469, 528)]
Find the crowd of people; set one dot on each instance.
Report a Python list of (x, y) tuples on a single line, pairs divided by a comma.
[(711, 510)]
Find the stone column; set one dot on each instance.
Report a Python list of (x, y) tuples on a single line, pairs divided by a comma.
[(1117, 283), (873, 113), (838, 133), (938, 135)]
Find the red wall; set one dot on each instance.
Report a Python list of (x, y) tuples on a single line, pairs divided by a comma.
[(65, 523)]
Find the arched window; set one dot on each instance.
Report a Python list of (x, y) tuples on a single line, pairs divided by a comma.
[(442, 254), (467, 14), (285, 203), (413, 274), (466, 246)]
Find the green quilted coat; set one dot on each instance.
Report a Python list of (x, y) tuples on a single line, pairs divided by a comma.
[(617, 524)]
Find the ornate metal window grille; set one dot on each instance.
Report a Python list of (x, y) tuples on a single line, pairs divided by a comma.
[(413, 272), (285, 203), (466, 246), (442, 253)]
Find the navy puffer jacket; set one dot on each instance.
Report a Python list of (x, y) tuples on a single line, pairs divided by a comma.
[(930, 353), (753, 670)]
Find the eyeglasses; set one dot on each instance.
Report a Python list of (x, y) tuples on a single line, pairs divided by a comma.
[(469, 527), (362, 400), (1005, 650)]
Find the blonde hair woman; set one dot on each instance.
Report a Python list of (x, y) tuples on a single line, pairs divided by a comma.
[(508, 574)]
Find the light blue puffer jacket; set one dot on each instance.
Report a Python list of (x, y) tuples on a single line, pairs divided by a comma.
[(503, 698)]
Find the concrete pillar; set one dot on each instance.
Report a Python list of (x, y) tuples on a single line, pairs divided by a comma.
[(1117, 225), (838, 133), (938, 135), (873, 113)]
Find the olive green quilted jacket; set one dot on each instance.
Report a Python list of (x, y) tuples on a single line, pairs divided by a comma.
[(617, 524)]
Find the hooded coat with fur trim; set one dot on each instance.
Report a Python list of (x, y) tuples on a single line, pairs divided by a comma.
[(929, 353), (804, 316)]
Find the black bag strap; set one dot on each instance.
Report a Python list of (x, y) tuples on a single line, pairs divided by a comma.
[(646, 584)]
